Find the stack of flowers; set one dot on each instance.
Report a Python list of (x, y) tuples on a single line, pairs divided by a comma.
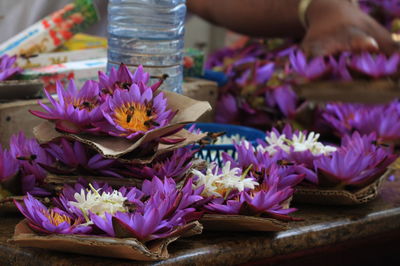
[(234, 195), (357, 165), (256, 93), (41, 169), (118, 130), (120, 105), (98, 220), (74, 159), (118, 127), (261, 82)]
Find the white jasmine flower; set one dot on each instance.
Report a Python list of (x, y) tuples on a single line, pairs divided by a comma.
[(208, 180), (98, 203), (220, 183), (328, 149), (302, 142), (274, 144), (229, 140), (299, 143), (246, 144)]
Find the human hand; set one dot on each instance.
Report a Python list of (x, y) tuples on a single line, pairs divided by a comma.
[(338, 25)]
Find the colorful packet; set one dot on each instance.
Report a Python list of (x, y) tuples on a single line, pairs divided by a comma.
[(80, 71), (52, 31)]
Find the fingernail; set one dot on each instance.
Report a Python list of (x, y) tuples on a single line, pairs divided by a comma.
[(371, 41)]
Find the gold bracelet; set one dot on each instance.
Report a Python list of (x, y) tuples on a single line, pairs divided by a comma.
[(305, 4), (303, 7)]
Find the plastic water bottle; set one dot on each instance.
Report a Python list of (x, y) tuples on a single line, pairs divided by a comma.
[(148, 33)]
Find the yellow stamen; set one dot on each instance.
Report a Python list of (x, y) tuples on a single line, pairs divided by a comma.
[(134, 117), (81, 103), (262, 187), (222, 190), (56, 218)]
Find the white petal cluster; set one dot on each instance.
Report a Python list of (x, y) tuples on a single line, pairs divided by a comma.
[(299, 142), (217, 184), (99, 203), (229, 140), (274, 144), (302, 142)]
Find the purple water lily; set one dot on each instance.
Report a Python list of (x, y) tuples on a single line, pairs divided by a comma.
[(284, 98), (186, 195), (227, 109), (340, 116), (361, 143), (258, 91), (131, 113), (122, 79), (312, 70), (99, 198), (347, 167), (356, 164), (339, 67), (375, 66), (216, 59), (392, 7), (75, 111), (50, 221), (268, 200), (262, 163), (30, 156), (383, 120), (258, 75), (175, 165), (7, 70), (385, 11), (73, 157), (9, 166), (166, 212)]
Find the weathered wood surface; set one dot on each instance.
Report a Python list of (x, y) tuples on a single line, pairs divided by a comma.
[(359, 91)]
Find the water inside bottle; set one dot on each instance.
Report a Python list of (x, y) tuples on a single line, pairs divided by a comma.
[(148, 33)]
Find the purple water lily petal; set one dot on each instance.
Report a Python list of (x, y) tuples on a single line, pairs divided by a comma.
[(7, 70), (311, 70), (375, 66), (8, 165)]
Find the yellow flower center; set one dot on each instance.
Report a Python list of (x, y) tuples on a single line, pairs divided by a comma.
[(56, 218), (82, 103), (348, 119), (221, 189), (262, 187), (135, 117)]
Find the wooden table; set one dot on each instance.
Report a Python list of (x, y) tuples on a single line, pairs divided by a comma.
[(327, 236)]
